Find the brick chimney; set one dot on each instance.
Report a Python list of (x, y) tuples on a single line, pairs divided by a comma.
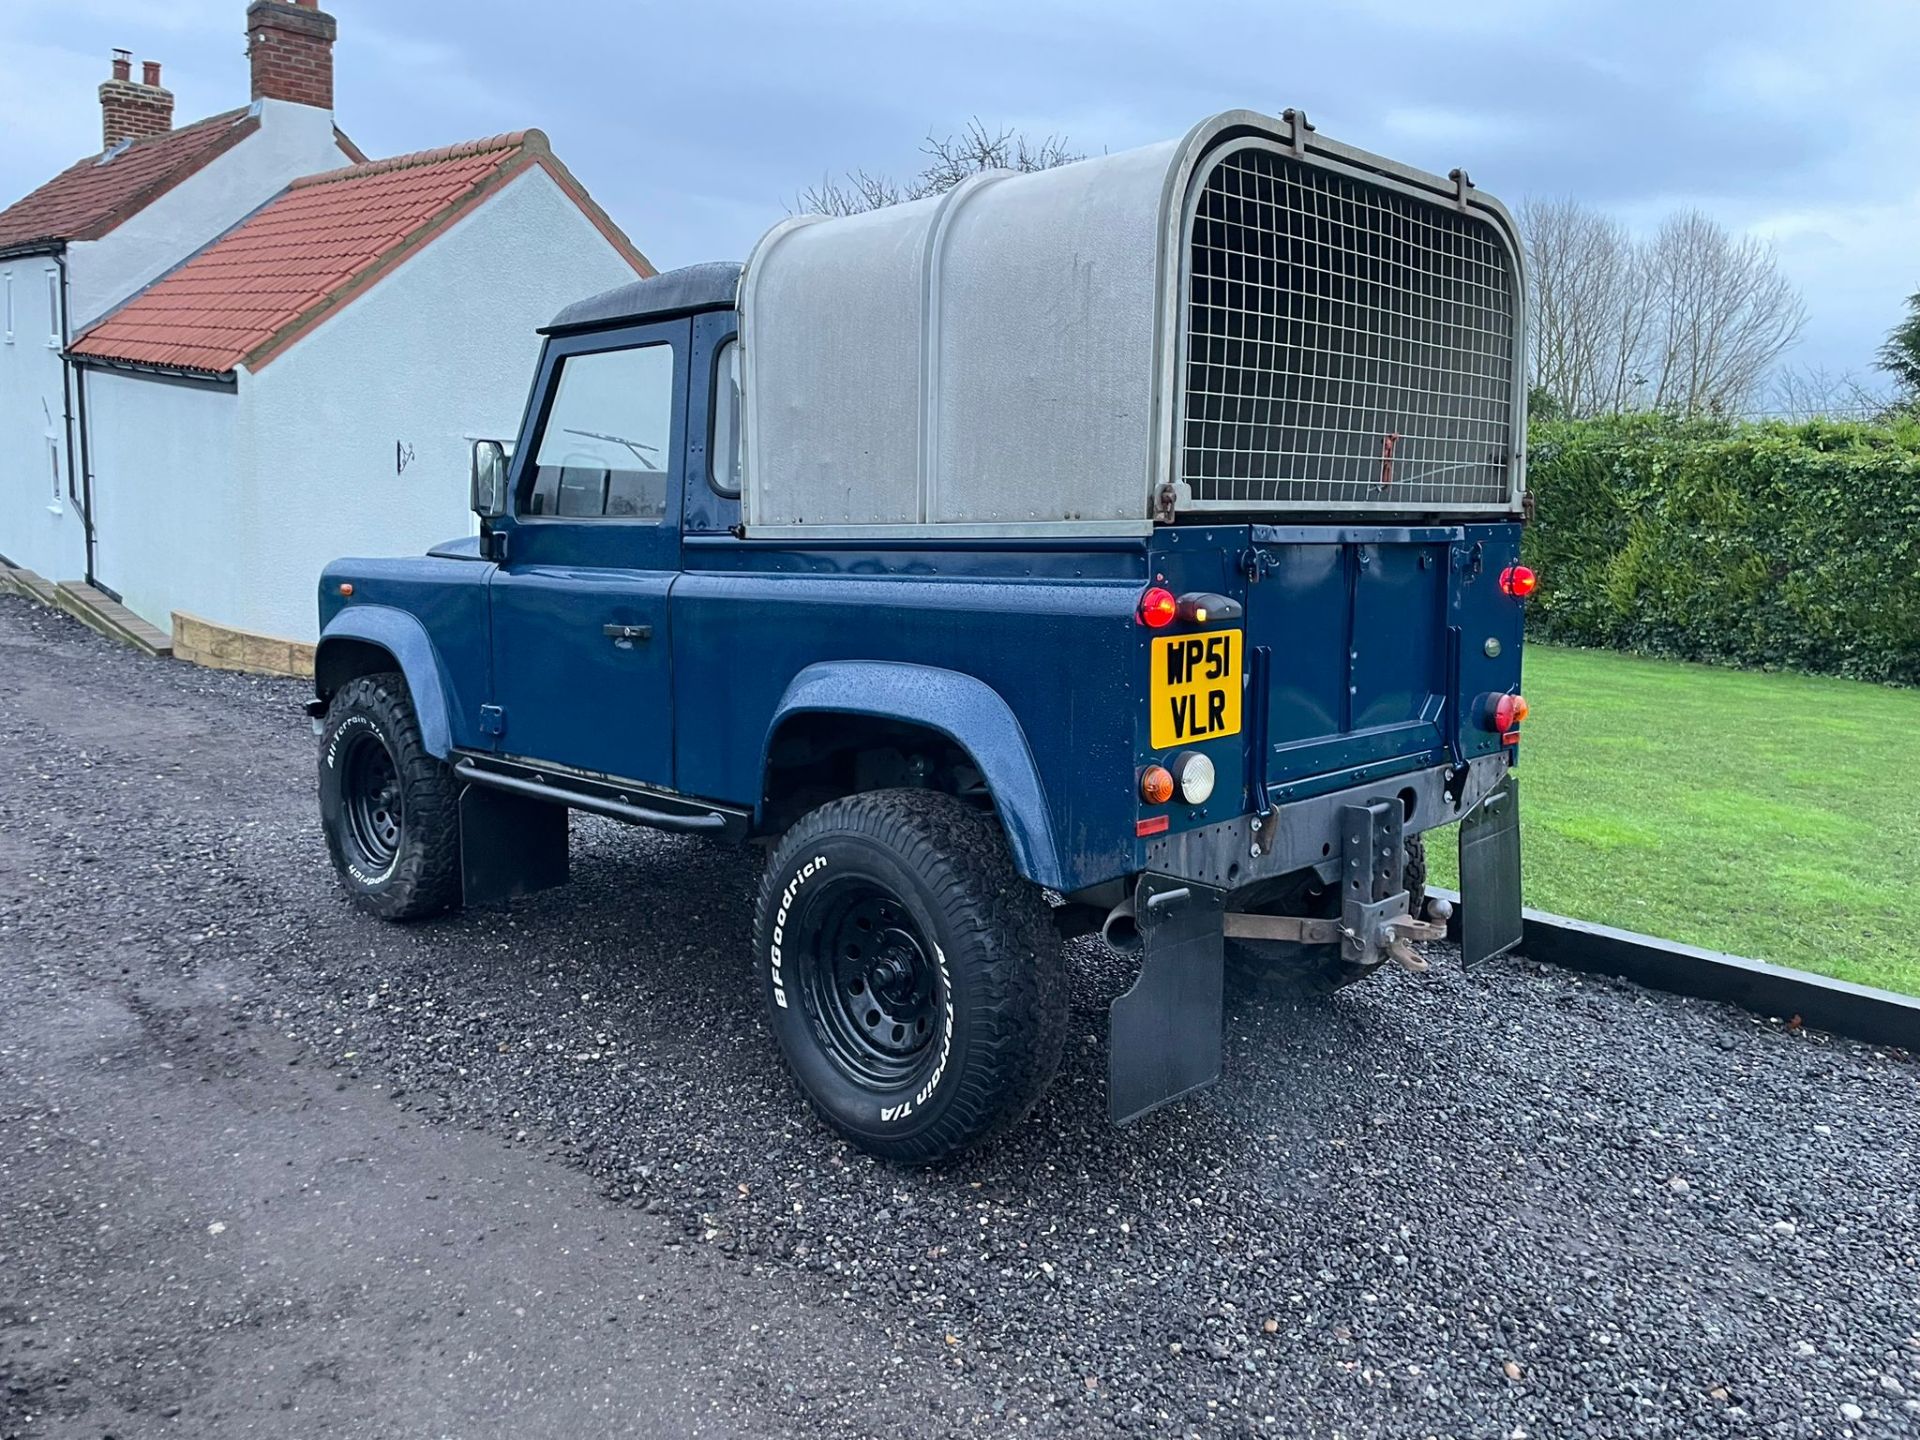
[(129, 108), (290, 44)]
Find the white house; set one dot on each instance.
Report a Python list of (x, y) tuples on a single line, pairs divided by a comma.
[(113, 221), (292, 371)]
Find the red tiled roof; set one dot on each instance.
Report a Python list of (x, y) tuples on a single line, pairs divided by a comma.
[(322, 242), (87, 199)]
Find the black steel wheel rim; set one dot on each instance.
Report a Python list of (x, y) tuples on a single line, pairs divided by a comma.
[(371, 802), (871, 982)]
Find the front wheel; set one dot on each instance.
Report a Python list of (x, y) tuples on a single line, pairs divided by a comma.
[(913, 978), (388, 807)]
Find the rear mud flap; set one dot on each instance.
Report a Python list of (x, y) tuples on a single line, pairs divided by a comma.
[(1490, 921), (510, 845), (1164, 1033)]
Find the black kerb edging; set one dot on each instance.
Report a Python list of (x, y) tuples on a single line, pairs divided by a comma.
[(1861, 1012)]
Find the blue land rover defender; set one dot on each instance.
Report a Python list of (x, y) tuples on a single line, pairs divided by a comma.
[(1130, 547)]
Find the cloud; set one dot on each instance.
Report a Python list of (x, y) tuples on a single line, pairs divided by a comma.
[(1441, 125), (695, 124), (1858, 261), (1747, 75)]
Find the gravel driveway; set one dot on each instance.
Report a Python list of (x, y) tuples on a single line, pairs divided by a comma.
[(268, 1167)]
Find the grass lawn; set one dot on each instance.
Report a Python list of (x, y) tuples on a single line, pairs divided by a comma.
[(1775, 816)]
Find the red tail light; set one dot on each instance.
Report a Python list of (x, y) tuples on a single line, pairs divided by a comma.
[(1157, 607), (1508, 712), (1518, 581)]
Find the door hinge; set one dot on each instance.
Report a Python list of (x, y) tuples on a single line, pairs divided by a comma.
[(493, 720)]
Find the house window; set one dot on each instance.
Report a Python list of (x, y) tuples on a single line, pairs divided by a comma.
[(6, 284), (53, 466), (53, 309)]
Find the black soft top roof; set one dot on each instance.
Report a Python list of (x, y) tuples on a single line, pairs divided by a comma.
[(675, 292)]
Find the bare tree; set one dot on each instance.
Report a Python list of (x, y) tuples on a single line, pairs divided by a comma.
[(949, 161), (953, 159), (1726, 314), (1691, 321), (1589, 313), (853, 194), (1817, 393)]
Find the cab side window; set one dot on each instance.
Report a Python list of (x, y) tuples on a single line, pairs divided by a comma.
[(604, 451), (723, 453)]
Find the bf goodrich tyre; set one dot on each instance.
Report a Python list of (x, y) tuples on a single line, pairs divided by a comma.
[(1284, 968), (389, 809), (913, 978)]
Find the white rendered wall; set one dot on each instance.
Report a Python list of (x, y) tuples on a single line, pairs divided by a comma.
[(36, 530), (293, 140), (167, 484), (234, 524)]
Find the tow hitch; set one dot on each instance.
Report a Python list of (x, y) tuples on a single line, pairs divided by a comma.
[(1396, 935), (1376, 921)]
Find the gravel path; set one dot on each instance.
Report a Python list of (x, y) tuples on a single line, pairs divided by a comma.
[(537, 1173)]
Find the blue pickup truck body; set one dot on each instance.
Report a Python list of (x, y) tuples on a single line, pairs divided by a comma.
[(1352, 678), (1026, 654), (1370, 650)]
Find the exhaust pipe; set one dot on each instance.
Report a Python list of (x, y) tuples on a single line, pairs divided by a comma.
[(1121, 928)]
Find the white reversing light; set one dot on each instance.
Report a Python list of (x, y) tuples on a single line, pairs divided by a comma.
[(1193, 773)]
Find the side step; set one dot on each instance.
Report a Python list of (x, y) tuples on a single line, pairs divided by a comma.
[(100, 610), (592, 796)]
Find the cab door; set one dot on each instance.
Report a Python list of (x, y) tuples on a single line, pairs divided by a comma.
[(582, 653)]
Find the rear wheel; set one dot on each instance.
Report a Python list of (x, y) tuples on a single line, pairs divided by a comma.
[(389, 809), (914, 980), (1284, 967)]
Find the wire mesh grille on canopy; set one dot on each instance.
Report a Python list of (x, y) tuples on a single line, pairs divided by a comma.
[(1347, 344)]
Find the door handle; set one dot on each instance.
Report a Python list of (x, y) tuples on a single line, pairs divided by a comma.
[(625, 635)]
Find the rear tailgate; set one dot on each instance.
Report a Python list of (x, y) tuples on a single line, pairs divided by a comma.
[(1376, 644), (1363, 652)]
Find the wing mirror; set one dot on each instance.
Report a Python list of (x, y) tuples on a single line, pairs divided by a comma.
[(489, 485)]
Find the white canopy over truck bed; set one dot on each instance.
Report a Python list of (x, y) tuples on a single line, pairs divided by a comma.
[(1249, 320)]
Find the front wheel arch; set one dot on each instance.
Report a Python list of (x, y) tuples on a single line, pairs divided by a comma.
[(365, 640), (338, 660)]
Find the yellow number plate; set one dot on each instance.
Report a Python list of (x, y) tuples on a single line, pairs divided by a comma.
[(1196, 688)]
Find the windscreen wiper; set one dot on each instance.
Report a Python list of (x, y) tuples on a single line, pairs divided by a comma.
[(635, 446)]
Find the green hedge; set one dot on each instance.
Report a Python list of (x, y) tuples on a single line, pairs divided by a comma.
[(1771, 545)]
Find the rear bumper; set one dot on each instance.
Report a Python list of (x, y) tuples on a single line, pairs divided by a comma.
[(1305, 834), (1164, 1034)]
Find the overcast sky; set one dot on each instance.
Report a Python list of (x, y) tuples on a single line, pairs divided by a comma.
[(695, 123)]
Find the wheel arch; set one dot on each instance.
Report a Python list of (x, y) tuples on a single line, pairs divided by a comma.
[(370, 639), (890, 700)]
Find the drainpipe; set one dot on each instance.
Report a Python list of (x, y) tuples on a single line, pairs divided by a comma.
[(66, 366), (73, 395), (86, 468)]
